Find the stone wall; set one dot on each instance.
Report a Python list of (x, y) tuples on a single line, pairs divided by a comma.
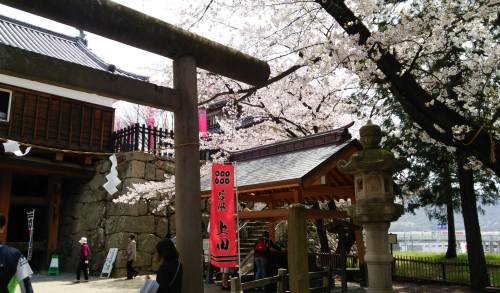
[(89, 211)]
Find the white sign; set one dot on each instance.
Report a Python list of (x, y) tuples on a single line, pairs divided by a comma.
[(108, 264)]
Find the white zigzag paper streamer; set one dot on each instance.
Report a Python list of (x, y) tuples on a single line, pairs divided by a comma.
[(12, 146), (112, 177)]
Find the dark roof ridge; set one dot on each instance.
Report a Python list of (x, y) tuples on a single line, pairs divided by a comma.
[(79, 42), (334, 136), (39, 29)]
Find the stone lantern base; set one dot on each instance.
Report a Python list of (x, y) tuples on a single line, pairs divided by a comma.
[(375, 216)]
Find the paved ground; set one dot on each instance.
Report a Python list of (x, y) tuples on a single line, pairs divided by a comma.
[(64, 284)]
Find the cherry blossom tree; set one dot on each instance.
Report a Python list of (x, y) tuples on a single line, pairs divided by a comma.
[(330, 59)]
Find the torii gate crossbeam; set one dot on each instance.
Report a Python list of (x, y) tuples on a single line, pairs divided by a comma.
[(189, 51)]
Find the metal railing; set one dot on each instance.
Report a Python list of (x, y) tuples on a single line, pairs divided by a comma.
[(442, 271)]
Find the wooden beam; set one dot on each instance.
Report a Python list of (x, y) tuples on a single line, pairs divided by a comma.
[(55, 190), (29, 65), (59, 156), (128, 26), (29, 200), (278, 214), (344, 191), (44, 166), (5, 197)]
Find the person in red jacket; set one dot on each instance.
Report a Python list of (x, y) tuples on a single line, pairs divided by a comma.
[(83, 263)]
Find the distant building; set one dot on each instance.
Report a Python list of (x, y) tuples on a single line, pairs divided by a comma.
[(437, 241)]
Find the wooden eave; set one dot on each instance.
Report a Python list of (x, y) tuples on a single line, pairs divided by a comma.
[(30, 164)]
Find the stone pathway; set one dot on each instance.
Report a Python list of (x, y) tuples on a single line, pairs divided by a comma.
[(64, 284)]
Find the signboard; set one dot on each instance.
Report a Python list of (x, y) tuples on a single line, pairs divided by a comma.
[(108, 264), (223, 240), (31, 219), (393, 238)]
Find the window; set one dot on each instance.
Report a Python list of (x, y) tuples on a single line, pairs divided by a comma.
[(5, 97)]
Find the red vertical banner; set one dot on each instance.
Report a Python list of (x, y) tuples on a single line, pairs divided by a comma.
[(223, 241), (202, 122)]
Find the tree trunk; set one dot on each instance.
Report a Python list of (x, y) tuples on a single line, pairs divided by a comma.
[(477, 263), (321, 231), (451, 252)]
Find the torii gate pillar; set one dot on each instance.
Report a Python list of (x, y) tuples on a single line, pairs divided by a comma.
[(187, 176)]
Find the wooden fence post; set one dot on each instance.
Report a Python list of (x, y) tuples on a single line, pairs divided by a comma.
[(280, 285), (443, 270), (326, 279), (235, 285)]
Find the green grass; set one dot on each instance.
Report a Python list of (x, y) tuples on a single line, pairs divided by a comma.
[(429, 266), (461, 257)]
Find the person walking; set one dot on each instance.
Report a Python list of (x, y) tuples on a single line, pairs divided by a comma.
[(169, 275), (131, 255), (14, 268), (83, 263)]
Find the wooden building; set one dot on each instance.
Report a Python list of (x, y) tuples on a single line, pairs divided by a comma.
[(302, 170), (67, 129)]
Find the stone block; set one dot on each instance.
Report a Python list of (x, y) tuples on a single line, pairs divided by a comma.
[(121, 259), (134, 169), (147, 243), (135, 156), (140, 208), (150, 171), (103, 166), (97, 182), (91, 215), (161, 227), (143, 259), (138, 225), (160, 175), (89, 196), (117, 240), (129, 183)]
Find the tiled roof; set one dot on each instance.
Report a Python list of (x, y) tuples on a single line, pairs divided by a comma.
[(282, 166), (39, 40)]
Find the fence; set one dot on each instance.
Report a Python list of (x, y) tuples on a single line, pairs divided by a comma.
[(429, 269), (141, 138), (320, 280)]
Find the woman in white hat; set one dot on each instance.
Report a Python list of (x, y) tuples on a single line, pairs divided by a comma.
[(83, 264)]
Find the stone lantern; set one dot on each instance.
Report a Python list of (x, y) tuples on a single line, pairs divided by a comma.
[(374, 209)]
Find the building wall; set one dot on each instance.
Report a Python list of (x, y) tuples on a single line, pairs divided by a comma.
[(91, 213), (53, 121)]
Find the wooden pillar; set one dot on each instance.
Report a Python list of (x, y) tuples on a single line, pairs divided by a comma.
[(271, 226), (54, 192), (5, 195), (298, 263), (187, 176)]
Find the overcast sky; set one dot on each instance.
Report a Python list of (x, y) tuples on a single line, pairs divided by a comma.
[(121, 55)]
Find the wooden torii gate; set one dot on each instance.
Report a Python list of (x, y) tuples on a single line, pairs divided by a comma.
[(188, 51)]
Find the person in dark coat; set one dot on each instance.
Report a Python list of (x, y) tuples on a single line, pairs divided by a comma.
[(169, 275), (14, 268)]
